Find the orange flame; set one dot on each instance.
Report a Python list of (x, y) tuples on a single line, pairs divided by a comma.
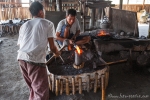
[(79, 51), (102, 33)]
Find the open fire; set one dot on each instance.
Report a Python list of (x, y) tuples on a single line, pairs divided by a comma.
[(102, 33), (78, 50), (78, 58)]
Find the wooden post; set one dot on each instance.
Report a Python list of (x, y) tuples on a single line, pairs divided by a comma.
[(53, 83), (61, 87), (103, 87), (49, 81), (121, 3), (59, 5), (84, 14), (57, 87), (127, 4), (67, 87), (82, 10), (102, 14), (88, 83), (106, 78), (143, 4), (92, 20), (80, 85), (96, 83), (73, 86), (84, 23)]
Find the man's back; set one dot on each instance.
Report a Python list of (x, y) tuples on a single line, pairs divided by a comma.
[(33, 39)]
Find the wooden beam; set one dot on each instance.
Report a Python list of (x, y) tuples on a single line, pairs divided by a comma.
[(12, 3), (69, 2), (100, 5)]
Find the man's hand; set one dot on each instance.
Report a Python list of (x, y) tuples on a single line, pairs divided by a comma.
[(57, 54), (71, 41), (73, 38)]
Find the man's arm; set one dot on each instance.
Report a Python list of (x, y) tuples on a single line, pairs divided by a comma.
[(66, 34), (77, 28), (77, 34), (52, 46), (50, 38)]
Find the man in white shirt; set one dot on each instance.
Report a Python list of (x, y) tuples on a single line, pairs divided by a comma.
[(69, 28), (34, 35)]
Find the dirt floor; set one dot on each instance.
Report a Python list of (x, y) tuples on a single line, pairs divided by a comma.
[(125, 82)]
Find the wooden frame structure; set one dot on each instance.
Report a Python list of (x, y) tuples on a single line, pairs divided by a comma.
[(77, 83)]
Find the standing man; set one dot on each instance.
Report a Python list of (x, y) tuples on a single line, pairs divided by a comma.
[(69, 28), (34, 35)]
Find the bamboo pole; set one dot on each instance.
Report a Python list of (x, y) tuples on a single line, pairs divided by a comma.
[(61, 87), (103, 87), (73, 86), (88, 83), (115, 62), (80, 85), (49, 81), (57, 87), (67, 87), (96, 83)]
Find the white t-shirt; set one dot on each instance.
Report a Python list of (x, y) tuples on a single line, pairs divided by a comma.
[(33, 39), (74, 28)]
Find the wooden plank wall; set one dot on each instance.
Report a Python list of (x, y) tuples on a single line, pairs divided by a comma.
[(124, 20), (51, 6), (23, 12), (13, 9)]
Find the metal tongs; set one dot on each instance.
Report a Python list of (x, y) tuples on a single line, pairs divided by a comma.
[(65, 44)]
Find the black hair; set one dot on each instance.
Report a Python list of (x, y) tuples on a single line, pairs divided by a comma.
[(35, 7), (71, 12)]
